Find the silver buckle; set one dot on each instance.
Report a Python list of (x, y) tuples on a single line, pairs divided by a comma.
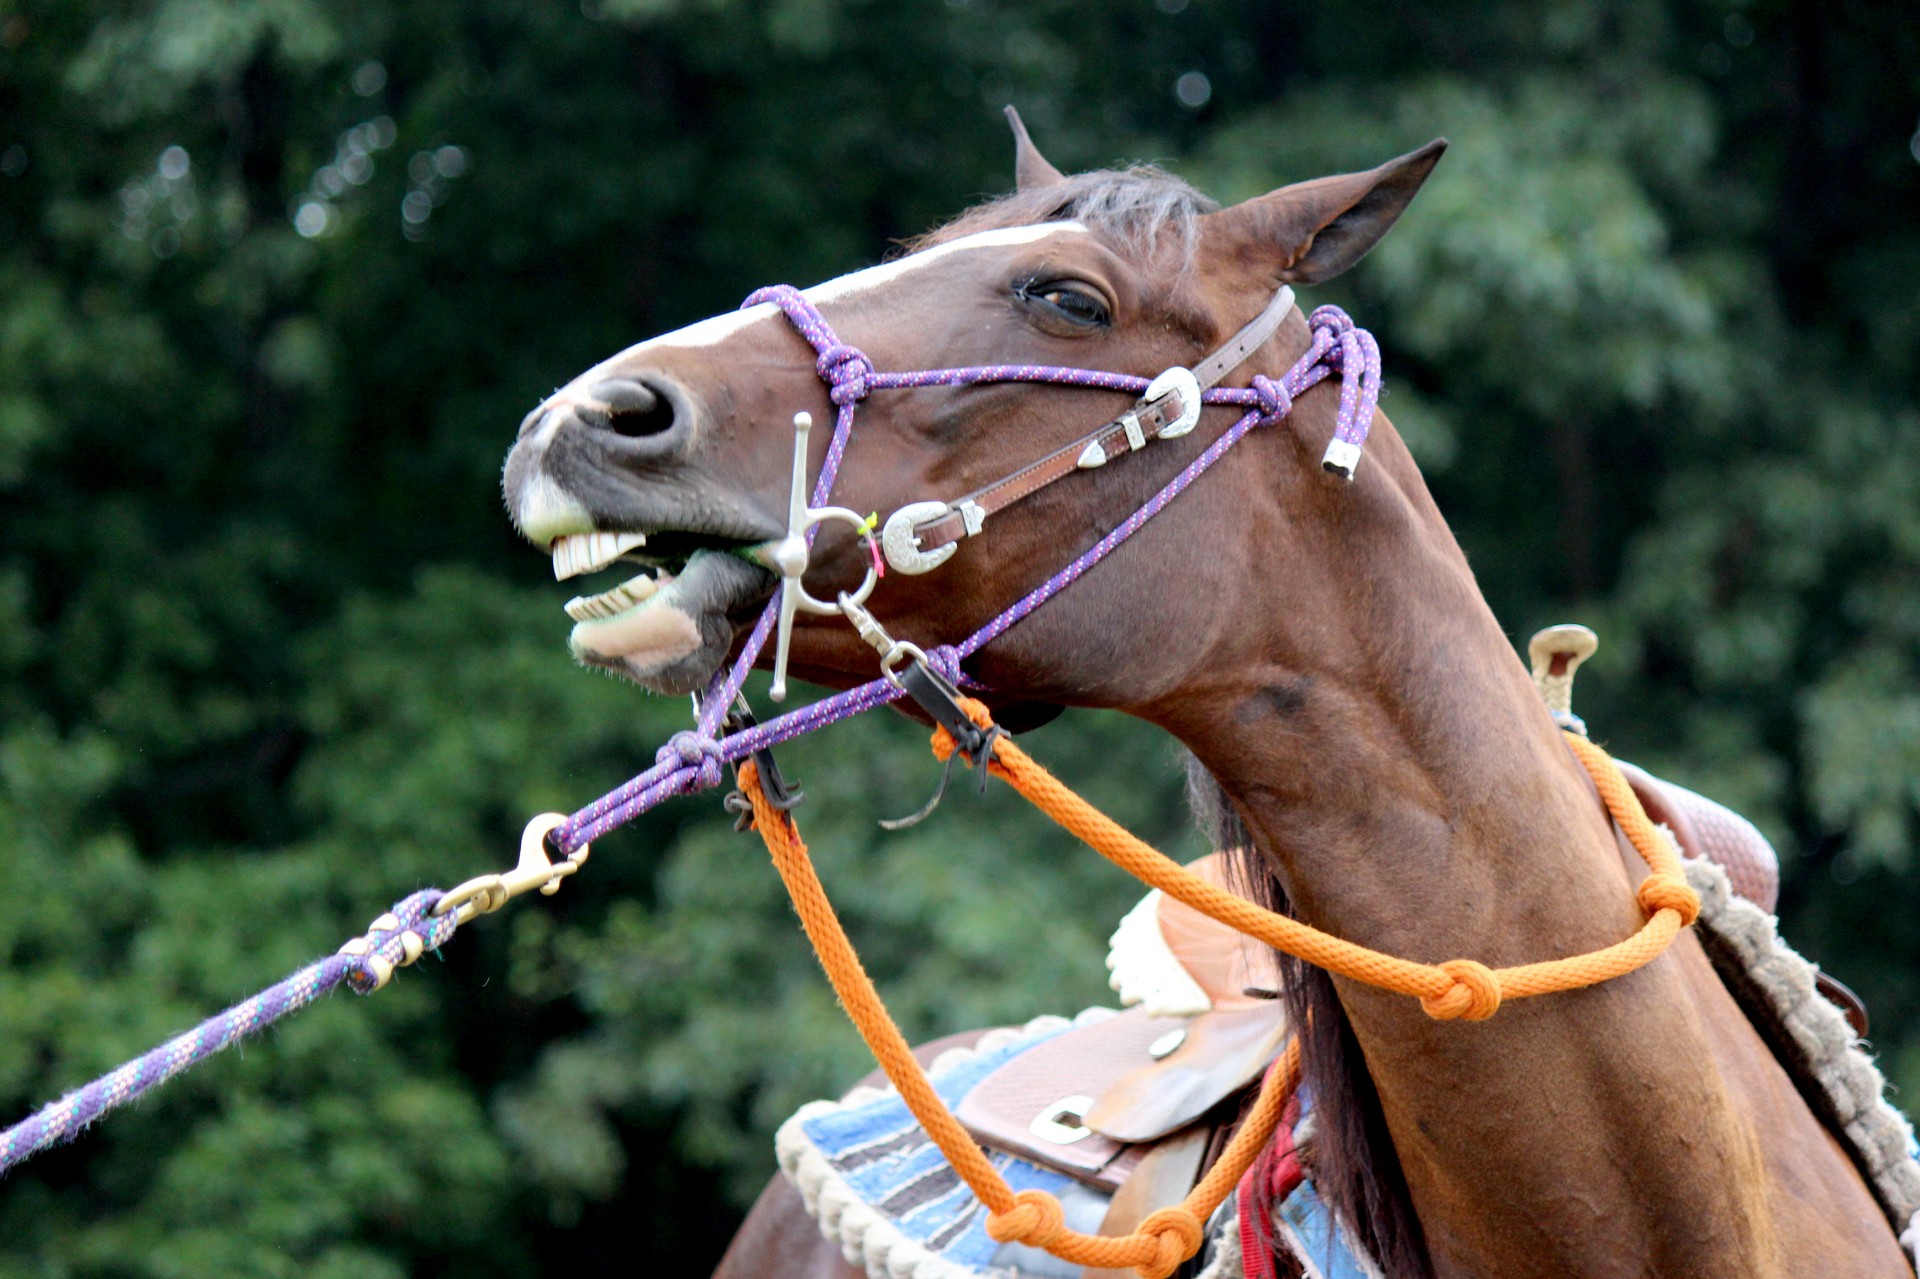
[(901, 546), (1183, 381)]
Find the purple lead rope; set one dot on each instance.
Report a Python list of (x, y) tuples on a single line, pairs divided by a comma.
[(694, 760), (64, 1119)]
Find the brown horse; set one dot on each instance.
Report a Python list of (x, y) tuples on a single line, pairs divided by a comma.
[(1319, 645)]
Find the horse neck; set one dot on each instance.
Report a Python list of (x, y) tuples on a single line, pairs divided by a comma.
[(1403, 782), (1377, 732)]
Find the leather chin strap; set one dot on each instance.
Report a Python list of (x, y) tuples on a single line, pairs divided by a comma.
[(921, 536)]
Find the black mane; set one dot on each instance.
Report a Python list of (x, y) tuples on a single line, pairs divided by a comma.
[(1350, 1156)]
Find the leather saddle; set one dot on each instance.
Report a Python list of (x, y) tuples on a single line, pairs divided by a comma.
[(1139, 1104), (1707, 829)]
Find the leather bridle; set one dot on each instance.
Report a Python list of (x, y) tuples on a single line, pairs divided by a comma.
[(921, 536)]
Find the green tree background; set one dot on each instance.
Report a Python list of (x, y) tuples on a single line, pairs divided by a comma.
[(278, 278)]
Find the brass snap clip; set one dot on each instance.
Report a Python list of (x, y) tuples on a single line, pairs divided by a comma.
[(487, 893)]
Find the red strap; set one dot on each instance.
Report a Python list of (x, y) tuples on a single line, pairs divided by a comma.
[(1275, 1175)]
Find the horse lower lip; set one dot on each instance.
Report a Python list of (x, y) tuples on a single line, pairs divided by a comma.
[(672, 623), (651, 633)]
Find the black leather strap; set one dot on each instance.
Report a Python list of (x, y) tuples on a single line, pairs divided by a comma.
[(941, 700)]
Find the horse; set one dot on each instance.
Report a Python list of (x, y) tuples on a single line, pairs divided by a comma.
[(1316, 641)]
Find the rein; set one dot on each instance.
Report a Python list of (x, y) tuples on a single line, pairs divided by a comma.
[(1458, 988)]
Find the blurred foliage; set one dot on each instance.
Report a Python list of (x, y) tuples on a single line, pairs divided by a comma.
[(278, 278)]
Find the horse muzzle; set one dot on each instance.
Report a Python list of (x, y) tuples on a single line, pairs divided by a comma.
[(604, 473)]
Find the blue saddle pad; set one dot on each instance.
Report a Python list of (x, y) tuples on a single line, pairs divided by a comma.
[(882, 1190)]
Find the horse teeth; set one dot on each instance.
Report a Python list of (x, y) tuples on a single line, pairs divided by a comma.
[(578, 553), (596, 608)]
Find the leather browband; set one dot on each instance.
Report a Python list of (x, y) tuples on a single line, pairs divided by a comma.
[(1153, 417)]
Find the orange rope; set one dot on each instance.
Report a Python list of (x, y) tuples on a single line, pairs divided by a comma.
[(1462, 988), (1163, 1240), (1457, 988)]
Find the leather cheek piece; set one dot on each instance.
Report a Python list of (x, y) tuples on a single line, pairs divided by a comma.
[(1111, 439)]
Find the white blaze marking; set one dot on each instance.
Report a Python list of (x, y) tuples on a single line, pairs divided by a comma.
[(706, 333), (887, 273), (720, 327)]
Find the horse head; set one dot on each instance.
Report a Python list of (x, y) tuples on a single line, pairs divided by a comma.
[(685, 439)]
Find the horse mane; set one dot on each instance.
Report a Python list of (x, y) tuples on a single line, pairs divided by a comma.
[(1350, 1155), (1142, 207)]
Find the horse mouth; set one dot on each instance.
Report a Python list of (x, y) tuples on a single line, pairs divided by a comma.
[(669, 627)]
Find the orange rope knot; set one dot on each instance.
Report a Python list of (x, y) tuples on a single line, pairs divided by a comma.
[(1177, 1235), (1474, 995), (1036, 1219), (1660, 891)]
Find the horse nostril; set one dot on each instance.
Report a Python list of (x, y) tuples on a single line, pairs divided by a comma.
[(633, 409)]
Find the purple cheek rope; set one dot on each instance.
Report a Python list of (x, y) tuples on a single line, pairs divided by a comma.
[(693, 760)]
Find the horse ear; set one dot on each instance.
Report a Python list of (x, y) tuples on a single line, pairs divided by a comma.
[(1320, 228), (1030, 169)]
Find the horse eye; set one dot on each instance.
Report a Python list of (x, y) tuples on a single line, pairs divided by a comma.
[(1073, 304)]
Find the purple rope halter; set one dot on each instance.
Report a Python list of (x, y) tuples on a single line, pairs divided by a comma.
[(693, 760)]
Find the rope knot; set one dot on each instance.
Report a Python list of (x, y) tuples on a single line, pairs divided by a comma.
[(690, 749), (1474, 995), (1036, 1219), (1177, 1235), (396, 939), (1659, 892), (1331, 318), (944, 661), (847, 371), (1275, 401), (944, 744)]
